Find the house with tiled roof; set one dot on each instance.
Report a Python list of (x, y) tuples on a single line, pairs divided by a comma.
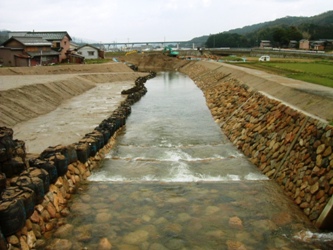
[(27, 51), (60, 41), (317, 45)]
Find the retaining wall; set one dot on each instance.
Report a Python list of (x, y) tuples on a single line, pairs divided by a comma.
[(287, 145), (35, 191)]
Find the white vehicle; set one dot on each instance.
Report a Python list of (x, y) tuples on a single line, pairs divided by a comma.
[(264, 59)]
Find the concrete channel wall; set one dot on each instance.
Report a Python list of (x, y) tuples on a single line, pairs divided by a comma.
[(286, 144)]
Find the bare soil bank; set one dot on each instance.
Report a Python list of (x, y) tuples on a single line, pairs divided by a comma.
[(65, 69)]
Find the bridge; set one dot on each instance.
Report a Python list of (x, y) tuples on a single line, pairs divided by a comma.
[(129, 45)]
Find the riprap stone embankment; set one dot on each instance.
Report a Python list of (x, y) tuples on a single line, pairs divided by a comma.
[(288, 145)]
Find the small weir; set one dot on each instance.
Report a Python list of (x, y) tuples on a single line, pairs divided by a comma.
[(171, 137), (174, 181)]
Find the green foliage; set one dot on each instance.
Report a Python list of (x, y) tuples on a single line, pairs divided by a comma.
[(201, 39), (227, 40), (280, 32), (3, 36)]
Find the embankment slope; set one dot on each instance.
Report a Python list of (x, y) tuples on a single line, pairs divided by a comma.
[(27, 93), (60, 104)]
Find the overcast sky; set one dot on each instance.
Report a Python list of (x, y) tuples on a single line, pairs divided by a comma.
[(148, 20)]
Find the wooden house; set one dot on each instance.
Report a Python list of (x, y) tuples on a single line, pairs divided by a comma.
[(27, 51), (318, 45), (60, 41)]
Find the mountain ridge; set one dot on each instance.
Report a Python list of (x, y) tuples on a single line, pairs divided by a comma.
[(313, 27)]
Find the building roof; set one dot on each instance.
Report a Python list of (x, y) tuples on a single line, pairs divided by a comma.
[(87, 45), (13, 49), (44, 53), (29, 41), (49, 35), (22, 56), (319, 42), (17, 33)]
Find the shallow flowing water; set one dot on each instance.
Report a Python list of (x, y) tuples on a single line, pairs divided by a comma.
[(174, 181)]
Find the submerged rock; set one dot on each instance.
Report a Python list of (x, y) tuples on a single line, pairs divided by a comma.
[(104, 244), (62, 244), (136, 237)]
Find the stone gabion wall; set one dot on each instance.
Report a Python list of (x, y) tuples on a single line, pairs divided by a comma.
[(285, 144), (35, 191)]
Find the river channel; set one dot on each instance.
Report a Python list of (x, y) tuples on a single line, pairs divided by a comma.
[(174, 181)]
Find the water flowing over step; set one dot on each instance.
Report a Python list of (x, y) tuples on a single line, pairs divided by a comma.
[(194, 163), (171, 137)]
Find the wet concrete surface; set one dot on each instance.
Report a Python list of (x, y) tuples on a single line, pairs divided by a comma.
[(72, 119)]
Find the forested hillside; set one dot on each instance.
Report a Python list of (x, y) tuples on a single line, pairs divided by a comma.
[(279, 32)]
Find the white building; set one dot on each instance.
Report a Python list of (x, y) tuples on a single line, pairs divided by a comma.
[(88, 51)]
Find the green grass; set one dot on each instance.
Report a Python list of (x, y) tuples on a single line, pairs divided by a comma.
[(114, 54), (318, 72), (96, 61), (319, 68), (313, 79)]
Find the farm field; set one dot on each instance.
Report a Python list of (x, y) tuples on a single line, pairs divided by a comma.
[(318, 72)]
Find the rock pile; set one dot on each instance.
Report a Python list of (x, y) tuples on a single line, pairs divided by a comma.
[(35, 191), (139, 84), (285, 144), (12, 153)]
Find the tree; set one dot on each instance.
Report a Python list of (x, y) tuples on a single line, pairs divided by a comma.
[(280, 37), (227, 40), (3, 36)]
